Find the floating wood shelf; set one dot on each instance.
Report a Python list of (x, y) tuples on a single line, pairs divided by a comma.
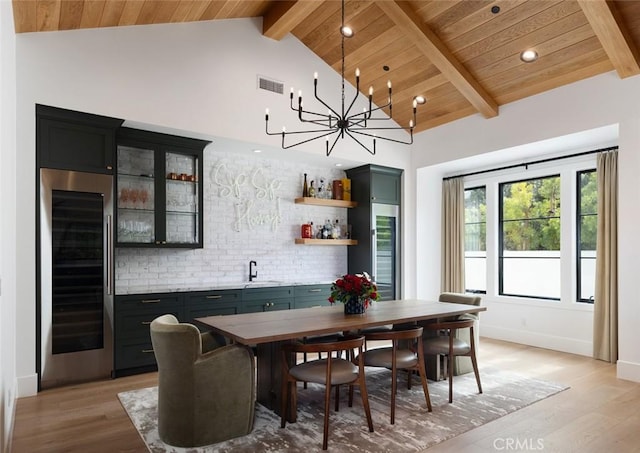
[(326, 202), (305, 241)]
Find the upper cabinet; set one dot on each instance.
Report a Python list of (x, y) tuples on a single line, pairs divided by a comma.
[(159, 190), (70, 140)]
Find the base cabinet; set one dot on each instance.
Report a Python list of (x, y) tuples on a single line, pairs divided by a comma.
[(307, 296), (133, 351)]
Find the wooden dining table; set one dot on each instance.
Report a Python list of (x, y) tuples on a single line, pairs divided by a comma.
[(267, 331)]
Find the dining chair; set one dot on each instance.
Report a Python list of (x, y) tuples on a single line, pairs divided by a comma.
[(329, 371), (446, 344), (462, 365), (405, 353)]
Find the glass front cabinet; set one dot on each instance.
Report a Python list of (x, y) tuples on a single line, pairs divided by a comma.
[(159, 190)]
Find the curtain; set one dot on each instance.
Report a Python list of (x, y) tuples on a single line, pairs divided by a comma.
[(452, 235), (605, 310)]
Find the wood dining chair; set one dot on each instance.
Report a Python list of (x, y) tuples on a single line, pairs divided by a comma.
[(405, 353), (446, 344), (329, 371)]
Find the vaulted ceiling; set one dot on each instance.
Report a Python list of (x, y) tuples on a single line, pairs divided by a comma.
[(462, 55)]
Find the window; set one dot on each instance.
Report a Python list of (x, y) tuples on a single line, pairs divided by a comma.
[(587, 227), (475, 240), (529, 238)]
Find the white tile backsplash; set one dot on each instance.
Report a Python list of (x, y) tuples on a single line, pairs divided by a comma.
[(249, 214)]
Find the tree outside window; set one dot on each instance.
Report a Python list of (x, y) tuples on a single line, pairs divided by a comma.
[(529, 238)]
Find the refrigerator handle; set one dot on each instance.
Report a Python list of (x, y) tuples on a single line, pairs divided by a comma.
[(109, 256)]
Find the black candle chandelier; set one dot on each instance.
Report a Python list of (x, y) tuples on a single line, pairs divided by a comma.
[(343, 122)]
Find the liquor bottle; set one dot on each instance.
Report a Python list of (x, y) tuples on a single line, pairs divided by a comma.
[(326, 230), (312, 190), (305, 187), (335, 232)]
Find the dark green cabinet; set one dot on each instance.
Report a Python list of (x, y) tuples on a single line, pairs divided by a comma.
[(133, 351), (267, 299), (159, 190), (133, 314), (307, 296), (211, 303), (376, 226), (70, 140)]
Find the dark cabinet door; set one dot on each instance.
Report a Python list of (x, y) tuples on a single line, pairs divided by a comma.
[(70, 140), (307, 296), (267, 299), (212, 303)]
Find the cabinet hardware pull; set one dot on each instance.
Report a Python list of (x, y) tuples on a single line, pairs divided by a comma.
[(317, 290), (150, 301), (217, 296), (145, 323), (147, 351)]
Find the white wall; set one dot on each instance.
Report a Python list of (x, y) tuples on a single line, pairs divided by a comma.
[(7, 224), (473, 143), (198, 79)]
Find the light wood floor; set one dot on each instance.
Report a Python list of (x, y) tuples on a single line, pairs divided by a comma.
[(599, 413)]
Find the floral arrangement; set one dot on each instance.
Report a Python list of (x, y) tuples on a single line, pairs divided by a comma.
[(349, 286)]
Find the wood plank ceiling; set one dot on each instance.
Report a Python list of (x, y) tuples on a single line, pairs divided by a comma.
[(462, 55)]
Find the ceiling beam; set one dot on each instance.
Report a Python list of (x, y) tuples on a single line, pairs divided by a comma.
[(434, 49), (613, 35), (284, 16)]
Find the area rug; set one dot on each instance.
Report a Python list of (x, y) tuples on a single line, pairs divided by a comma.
[(415, 429)]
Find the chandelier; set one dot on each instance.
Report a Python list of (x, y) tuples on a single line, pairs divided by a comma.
[(336, 124)]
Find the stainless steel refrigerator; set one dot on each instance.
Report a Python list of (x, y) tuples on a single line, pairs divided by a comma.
[(75, 277)]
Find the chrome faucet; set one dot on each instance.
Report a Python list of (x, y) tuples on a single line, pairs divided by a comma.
[(252, 275)]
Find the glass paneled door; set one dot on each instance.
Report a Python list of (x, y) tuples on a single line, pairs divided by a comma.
[(386, 250)]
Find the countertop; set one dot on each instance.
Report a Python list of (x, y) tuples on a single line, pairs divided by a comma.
[(222, 286)]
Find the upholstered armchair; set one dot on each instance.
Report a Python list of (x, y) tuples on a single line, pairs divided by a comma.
[(462, 365), (206, 390)]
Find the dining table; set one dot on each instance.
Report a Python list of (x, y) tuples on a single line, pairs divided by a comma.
[(268, 330)]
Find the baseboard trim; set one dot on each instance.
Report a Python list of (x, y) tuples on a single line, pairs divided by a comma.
[(556, 343), (628, 371), (27, 385)]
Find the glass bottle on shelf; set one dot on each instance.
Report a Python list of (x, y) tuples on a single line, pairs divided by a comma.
[(305, 187), (335, 232), (181, 198), (312, 190), (135, 198)]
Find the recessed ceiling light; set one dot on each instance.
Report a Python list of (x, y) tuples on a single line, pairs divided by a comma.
[(257, 150), (338, 165), (420, 99), (529, 55), (346, 31)]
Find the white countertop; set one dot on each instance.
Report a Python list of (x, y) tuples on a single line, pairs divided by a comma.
[(222, 286)]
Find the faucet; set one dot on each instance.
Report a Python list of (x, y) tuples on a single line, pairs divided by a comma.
[(252, 275)]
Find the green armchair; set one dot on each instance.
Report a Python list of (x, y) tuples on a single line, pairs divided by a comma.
[(206, 389)]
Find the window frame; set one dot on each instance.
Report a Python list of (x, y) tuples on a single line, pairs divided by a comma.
[(500, 244), (578, 223), (477, 291)]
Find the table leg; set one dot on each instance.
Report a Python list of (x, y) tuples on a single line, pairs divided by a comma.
[(269, 379)]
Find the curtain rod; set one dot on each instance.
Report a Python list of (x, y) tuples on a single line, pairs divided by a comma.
[(526, 164)]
